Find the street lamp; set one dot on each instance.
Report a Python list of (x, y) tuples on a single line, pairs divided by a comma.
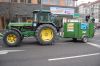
[(10, 10), (40, 2)]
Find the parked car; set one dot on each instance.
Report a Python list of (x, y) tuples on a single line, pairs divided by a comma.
[(97, 25)]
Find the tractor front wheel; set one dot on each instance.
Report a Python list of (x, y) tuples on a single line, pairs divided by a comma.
[(11, 38), (46, 34)]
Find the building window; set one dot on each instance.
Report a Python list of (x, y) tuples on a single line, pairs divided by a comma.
[(23, 19), (22, 1), (39, 1), (29, 19), (29, 1), (13, 0), (44, 1), (54, 2), (69, 2)]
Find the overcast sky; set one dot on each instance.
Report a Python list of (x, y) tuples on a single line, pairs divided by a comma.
[(84, 1)]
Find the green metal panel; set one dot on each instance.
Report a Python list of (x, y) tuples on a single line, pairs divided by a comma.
[(76, 15), (82, 32), (91, 30), (87, 32), (28, 33), (20, 24), (77, 30), (69, 29)]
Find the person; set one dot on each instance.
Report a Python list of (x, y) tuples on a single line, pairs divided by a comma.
[(92, 19), (87, 18)]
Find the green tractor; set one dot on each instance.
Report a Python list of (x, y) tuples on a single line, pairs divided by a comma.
[(44, 27)]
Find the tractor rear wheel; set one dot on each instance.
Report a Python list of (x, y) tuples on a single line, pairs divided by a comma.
[(46, 34), (11, 38)]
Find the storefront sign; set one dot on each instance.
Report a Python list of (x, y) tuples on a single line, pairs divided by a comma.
[(70, 27), (76, 15), (59, 10)]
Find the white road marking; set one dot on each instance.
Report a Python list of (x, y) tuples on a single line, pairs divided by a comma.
[(93, 44), (97, 33), (7, 51), (12, 50), (72, 57), (3, 52)]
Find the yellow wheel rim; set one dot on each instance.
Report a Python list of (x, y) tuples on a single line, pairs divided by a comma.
[(46, 34), (11, 38)]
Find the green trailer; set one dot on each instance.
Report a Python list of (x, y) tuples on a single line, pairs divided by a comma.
[(78, 30)]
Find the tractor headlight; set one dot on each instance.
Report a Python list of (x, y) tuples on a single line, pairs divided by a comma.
[(34, 24)]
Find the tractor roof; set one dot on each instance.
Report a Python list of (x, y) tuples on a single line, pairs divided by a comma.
[(46, 11)]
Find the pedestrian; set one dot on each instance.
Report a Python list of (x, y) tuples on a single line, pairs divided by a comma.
[(92, 19), (87, 18)]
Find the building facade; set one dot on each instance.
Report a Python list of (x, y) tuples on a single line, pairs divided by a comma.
[(47, 2), (82, 9), (21, 10), (92, 9)]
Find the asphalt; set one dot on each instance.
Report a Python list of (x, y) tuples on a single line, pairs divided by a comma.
[(36, 55)]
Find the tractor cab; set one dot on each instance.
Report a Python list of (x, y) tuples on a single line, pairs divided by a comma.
[(46, 16), (43, 16)]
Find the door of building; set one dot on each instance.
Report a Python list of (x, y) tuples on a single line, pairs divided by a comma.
[(2, 23)]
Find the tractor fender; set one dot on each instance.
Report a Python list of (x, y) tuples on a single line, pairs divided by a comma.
[(17, 31), (48, 23)]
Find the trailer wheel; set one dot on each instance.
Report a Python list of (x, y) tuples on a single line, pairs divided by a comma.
[(46, 34), (11, 38), (85, 39)]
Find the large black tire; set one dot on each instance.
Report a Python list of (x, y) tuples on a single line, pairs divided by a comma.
[(12, 42), (22, 37), (39, 36)]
